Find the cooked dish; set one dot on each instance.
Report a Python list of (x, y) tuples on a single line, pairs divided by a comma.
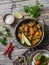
[(32, 33), (41, 59)]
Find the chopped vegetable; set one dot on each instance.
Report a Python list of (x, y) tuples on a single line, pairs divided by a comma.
[(26, 29), (33, 11), (35, 41), (26, 40), (28, 58), (20, 35), (31, 31), (29, 37), (21, 28), (37, 33), (37, 63), (39, 56), (23, 39), (31, 24), (23, 60)]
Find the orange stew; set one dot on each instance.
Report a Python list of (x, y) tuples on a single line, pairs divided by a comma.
[(32, 31)]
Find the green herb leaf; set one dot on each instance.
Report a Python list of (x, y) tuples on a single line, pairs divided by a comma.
[(19, 61), (48, 60), (41, 64), (25, 61), (5, 32), (39, 56), (3, 40), (33, 11), (28, 58), (4, 28)]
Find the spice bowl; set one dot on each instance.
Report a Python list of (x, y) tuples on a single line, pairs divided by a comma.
[(9, 19)]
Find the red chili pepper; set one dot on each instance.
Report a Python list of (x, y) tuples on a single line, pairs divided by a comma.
[(9, 52), (7, 48)]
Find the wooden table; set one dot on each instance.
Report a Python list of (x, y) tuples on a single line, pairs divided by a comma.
[(5, 8)]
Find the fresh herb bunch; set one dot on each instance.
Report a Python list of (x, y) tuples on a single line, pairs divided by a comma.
[(39, 56), (3, 38), (24, 60), (5, 30), (33, 11)]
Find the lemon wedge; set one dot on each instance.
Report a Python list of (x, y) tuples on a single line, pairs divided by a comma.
[(25, 40), (17, 14)]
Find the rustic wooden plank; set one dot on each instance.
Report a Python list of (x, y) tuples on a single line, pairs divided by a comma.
[(44, 16), (4, 60), (5, 11), (9, 1), (20, 4), (43, 1), (1, 63), (15, 54), (18, 53), (5, 6), (47, 21), (17, 44), (2, 47), (9, 5), (1, 21), (5, 1), (41, 21)]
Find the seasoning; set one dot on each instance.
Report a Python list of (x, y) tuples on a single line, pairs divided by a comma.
[(9, 19)]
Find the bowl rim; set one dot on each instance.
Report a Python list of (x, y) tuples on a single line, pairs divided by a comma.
[(41, 37), (36, 52)]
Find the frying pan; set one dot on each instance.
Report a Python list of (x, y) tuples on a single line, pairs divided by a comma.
[(25, 21)]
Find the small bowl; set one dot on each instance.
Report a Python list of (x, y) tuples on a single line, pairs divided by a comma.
[(34, 55), (5, 18), (25, 21)]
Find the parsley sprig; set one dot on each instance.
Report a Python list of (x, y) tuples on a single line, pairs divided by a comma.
[(3, 38), (33, 11)]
